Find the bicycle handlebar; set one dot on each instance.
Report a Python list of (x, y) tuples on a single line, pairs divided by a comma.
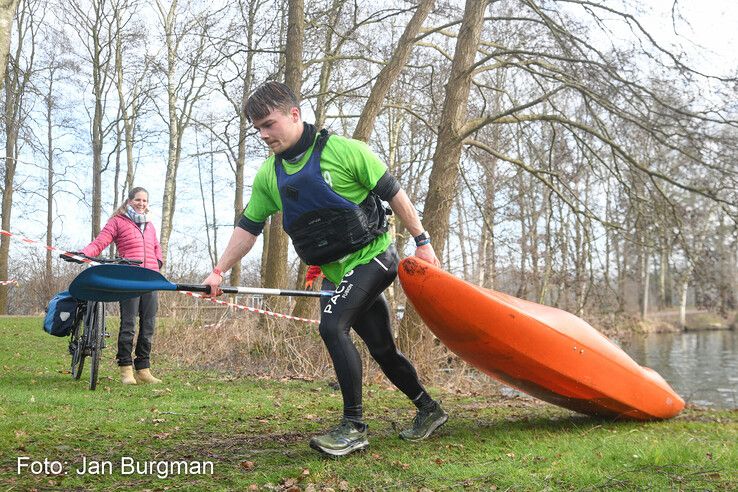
[(117, 260)]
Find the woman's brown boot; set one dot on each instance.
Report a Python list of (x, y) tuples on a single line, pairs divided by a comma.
[(145, 376), (126, 375)]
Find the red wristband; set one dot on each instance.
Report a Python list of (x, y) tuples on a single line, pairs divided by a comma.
[(218, 271)]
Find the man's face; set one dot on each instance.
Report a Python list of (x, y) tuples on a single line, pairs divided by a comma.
[(278, 130)]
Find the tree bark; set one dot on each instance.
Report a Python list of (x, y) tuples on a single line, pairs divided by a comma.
[(7, 12)]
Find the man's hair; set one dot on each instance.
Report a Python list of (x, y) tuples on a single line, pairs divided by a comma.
[(268, 97)]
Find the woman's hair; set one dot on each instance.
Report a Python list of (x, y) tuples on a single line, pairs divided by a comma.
[(268, 97), (123, 209)]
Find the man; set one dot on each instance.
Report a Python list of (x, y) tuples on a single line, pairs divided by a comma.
[(330, 190)]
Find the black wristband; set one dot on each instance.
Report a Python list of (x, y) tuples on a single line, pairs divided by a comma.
[(422, 239)]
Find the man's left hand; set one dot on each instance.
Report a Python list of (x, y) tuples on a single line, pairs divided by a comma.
[(426, 253)]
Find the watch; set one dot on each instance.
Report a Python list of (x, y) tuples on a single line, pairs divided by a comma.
[(422, 239)]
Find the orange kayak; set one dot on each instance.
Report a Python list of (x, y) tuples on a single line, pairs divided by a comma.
[(540, 350)]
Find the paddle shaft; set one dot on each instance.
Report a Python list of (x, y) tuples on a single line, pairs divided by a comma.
[(253, 290), (108, 283)]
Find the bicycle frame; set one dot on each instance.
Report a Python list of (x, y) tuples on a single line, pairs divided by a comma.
[(87, 340), (88, 335)]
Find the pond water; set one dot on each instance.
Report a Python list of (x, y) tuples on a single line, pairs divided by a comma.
[(702, 366)]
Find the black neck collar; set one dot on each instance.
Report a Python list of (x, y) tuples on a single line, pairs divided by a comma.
[(295, 152)]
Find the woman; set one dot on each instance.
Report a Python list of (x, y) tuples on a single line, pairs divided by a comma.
[(129, 228)]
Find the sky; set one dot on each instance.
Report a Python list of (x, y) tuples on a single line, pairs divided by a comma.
[(707, 32), (713, 24)]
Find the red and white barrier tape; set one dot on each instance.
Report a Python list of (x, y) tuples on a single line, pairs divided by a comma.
[(191, 294), (8, 282), (251, 309), (50, 248)]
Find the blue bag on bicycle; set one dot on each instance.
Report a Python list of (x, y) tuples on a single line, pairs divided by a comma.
[(61, 314)]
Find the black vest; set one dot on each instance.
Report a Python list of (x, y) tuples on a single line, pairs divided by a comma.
[(324, 226)]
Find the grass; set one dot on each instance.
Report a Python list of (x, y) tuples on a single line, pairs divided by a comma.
[(255, 432)]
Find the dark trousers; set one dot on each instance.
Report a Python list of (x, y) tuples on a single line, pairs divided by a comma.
[(358, 303), (144, 308)]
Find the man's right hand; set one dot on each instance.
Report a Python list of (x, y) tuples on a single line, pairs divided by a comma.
[(213, 280), (239, 244)]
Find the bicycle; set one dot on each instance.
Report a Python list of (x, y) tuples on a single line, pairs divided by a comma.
[(88, 335)]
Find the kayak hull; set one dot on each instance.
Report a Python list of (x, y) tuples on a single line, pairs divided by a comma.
[(546, 352)]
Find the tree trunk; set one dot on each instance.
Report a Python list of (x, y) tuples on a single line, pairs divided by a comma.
[(275, 268), (304, 306), (683, 304), (15, 85), (116, 170), (184, 90), (663, 262), (489, 266), (326, 68), (461, 234), (562, 299), (445, 172), (170, 179), (621, 261), (98, 91), (645, 267), (7, 12), (49, 176), (97, 146), (522, 192), (7, 206), (548, 252), (129, 120), (243, 125)]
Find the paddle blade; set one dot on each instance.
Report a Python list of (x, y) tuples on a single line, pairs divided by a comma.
[(108, 283)]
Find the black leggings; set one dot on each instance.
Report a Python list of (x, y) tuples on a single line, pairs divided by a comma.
[(358, 302)]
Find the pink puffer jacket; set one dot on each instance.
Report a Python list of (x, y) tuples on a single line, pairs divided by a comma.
[(131, 242)]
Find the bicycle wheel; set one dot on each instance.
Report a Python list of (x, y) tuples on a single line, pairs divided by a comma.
[(77, 345), (96, 341)]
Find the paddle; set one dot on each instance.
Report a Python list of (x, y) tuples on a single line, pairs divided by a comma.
[(108, 283)]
